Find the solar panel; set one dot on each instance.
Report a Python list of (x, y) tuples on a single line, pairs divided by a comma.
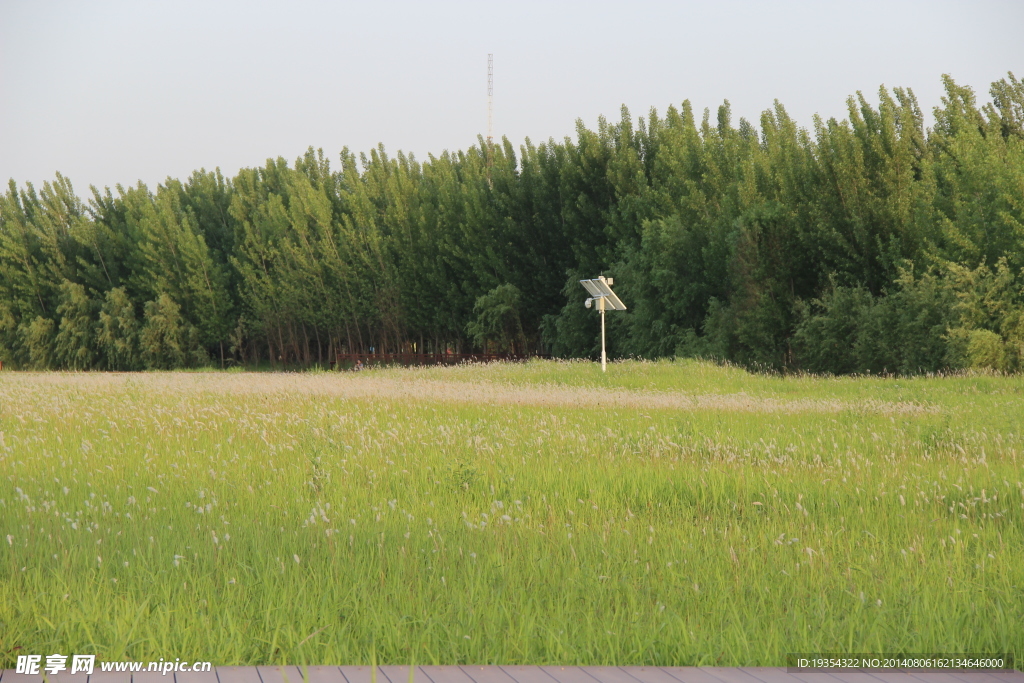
[(591, 287), (610, 298), (599, 289)]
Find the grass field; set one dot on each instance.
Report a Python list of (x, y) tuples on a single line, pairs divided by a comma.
[(671, 513)]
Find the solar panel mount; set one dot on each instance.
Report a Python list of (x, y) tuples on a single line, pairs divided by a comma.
[(600, 290)]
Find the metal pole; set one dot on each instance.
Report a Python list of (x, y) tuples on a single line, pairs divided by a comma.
[(604, 359), (490, 100)]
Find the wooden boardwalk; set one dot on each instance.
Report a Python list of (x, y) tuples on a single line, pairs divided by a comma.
[(518, 674)]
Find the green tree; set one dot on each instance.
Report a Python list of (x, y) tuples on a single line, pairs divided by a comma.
[(117, 334), (37, 340), (167, 341), (74, 345), (498, 322)]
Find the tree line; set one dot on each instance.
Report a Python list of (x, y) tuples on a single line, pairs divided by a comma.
[(869, 244)]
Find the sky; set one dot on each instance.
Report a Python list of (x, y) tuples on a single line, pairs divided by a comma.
[(112, 92)]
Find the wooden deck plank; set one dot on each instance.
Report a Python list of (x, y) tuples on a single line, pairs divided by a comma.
[(399, 676), (767, 674), (446, 674), (518, 674), (486, 674), (816, 677), (360, 674), (941, 677), (150, 677), (320, 674), (11, 676), (729, 675), (989, 676), (527, 674), (98, 676), (1009, 676), (868, 676), (690, 674), (928, 676), (648, 674), (233, 674), (195, 676), (893, 677), (860, 676), (67, 677), (849, 676), (568, 674), (399, 673), (440, 674), (609, 674), (278, 674), (946, 676)]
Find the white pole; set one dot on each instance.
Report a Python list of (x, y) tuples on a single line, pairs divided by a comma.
[(604, 361)]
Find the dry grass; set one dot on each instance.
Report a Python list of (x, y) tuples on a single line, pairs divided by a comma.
[(396, 385)]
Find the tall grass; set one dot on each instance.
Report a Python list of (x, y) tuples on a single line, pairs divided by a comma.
[(322, 519)]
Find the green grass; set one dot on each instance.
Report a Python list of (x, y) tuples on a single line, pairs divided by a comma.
[(222, 517)]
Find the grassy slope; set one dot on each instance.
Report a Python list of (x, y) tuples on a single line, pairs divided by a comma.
[(448, 532)]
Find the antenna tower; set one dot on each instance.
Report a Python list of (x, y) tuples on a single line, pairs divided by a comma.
[(490, 116), (490, 99)]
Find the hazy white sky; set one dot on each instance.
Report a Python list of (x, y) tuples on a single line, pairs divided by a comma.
[(112, 92)]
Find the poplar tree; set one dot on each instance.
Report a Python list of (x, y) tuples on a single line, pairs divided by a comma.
[(869, 243), (117, 332), (74, 344)]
